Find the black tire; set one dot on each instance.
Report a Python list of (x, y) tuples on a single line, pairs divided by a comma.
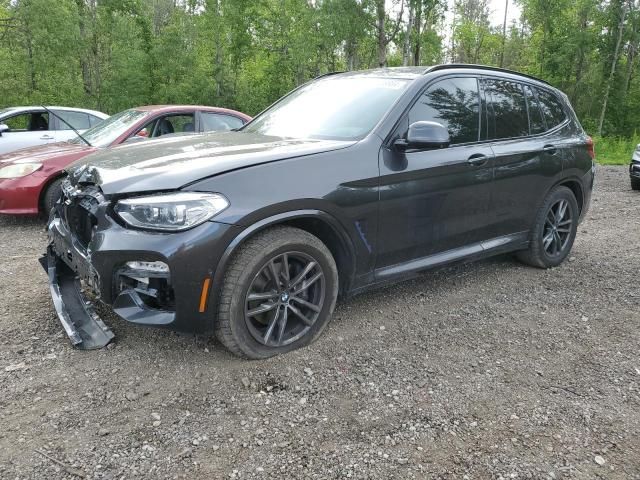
[(541, 255), (635, 183), (51, 196), (238, 331)]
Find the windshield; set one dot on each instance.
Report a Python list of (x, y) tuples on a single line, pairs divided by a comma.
[(340, 108), (107, 131)]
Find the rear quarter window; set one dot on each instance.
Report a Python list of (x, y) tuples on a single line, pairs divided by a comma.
[(552, 108)]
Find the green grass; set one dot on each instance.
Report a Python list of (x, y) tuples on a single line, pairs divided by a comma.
[(615, 150)]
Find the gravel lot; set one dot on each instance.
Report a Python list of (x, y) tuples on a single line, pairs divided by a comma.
[(489, 370)]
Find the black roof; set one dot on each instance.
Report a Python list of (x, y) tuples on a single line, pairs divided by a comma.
[(411, 73)]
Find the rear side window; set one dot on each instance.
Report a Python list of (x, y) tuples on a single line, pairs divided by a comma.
[(552, 108), (78, 120), (216, 121), (536, 120), (455, 103), (93, 120), (510, 119)]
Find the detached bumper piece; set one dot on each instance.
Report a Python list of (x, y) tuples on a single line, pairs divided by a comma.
[(85, 328)]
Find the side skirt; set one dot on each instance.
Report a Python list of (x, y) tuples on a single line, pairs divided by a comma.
[(476, 251)]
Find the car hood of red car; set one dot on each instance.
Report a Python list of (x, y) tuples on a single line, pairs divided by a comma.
[(47, 153)]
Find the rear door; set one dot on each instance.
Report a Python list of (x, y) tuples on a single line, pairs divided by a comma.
[(527, 159), (26, 129), (433, 201), (63, 118)]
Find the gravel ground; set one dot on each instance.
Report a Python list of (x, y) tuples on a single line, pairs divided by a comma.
[(488, 370)]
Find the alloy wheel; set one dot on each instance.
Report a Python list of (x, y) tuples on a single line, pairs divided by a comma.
[(284, 299), (557, 228)]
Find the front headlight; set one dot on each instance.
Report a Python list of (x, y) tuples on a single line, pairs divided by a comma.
[(17, 170), (171, 212)]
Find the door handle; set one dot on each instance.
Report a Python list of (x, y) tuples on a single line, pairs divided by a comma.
[(477, 159), (46, 137), (550, 149)]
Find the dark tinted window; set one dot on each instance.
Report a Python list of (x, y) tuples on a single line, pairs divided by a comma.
[(79, 120), (455, 104), (509, 109), (552, 108), (536, 120), (217, 121), (28, 122)]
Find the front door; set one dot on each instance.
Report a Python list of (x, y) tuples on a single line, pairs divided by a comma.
[(25, 130), (434, 201)]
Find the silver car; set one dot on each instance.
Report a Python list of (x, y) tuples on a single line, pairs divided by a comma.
[(22, 127)]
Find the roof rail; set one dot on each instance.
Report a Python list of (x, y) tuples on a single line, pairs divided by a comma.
[(446, 66), (328, 74)]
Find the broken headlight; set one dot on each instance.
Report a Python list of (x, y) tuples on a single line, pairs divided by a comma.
[(171, 212)]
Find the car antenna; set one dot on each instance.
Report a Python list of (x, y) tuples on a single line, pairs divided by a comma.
[(68, 124)]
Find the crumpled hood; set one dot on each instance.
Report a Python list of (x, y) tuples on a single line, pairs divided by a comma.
[(43, 153), (168, 164)]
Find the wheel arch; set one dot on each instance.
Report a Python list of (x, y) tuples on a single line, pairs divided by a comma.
[(575, 186), (318, 223), (45, 187)]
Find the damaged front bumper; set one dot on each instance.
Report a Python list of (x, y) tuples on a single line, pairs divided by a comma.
[(85, 328), (147, 278)]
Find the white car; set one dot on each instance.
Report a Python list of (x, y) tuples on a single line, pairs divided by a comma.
[(22, 127)]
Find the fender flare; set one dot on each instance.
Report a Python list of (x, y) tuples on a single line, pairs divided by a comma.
[(345, 240)]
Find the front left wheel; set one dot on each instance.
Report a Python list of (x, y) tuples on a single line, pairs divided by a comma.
[(51, 196), (278, 293)]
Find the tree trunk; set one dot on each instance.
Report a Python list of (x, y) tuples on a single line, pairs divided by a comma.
[(504, 33), (382, 39), (417, 29), (406, 51), (614, 63)]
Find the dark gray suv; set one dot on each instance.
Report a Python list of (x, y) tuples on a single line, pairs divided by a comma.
[(351, 181)]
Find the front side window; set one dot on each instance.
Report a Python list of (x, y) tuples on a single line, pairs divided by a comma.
[(78, 120), (166, 125), (536, 120), (509, 107), (455, 103), (216, 121), (336, 107), (552, 108), (28, 122)]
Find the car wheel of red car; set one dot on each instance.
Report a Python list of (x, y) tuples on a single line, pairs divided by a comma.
[(51, 196)]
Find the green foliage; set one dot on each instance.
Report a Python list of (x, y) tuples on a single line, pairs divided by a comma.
[(615, 150), (244, 54)]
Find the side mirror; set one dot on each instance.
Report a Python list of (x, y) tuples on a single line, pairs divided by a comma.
[(425, 135), (4, 128)]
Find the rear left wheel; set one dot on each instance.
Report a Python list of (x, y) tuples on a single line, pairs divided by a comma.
[(278, 294), (635, 183), (554, 230)]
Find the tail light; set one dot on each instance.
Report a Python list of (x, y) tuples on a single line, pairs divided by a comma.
[(591, 149)]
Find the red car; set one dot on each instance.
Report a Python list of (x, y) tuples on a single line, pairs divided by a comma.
[(30, 178)]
